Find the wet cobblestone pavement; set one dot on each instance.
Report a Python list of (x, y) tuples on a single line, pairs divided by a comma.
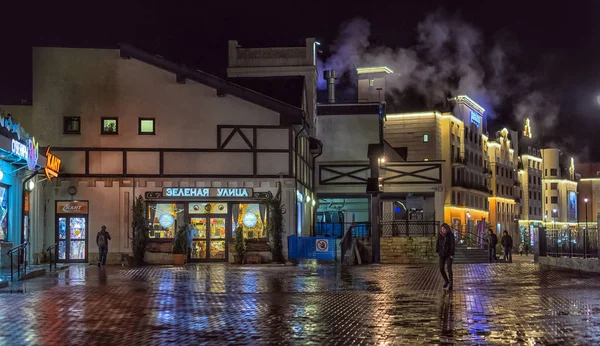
[(219, 304)]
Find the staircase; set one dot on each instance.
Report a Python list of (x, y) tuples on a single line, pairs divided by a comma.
[(465, 255)]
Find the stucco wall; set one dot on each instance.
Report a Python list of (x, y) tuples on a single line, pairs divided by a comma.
[(589, 265), (408, 250)]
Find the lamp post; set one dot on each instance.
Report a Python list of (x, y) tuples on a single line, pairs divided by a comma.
[(554, 211), (585, 232)]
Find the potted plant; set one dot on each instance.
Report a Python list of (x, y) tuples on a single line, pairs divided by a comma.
[(239, 245), (140, 227), (180, 245)]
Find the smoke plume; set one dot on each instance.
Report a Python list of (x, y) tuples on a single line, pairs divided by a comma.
[(450, 57)]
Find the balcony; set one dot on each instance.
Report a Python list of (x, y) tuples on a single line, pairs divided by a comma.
[(487, 171), (520, 166), (459, 160), (471, 186)]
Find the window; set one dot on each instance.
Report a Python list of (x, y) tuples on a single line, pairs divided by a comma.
[(146, 126), (110, 126), (554, 186), (553, 172), (554, 199), (71, 125), (425, 138), (546, 199), (371, 82), (529, 194), (165, 217), (530, 210)]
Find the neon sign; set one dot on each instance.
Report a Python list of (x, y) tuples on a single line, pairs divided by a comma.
[(52, 165), (19, 149), (206, 192), (475, 119)]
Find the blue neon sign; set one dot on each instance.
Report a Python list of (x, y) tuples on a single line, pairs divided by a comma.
[(475, 119)]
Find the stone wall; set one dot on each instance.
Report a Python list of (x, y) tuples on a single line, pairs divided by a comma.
[(588, 265), (408, 250)]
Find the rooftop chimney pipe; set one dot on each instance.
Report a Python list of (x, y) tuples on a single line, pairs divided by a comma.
[(330, 76)]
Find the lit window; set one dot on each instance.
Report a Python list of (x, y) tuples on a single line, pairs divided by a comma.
[(371, 82), (425, 138), (71, 125), (146, 126), (110, 126)]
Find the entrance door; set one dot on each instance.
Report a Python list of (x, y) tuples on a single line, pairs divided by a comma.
[(72, 238), (209, 240)]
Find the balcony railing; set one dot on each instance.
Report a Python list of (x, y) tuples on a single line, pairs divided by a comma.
[(469, 185), (460, 160)]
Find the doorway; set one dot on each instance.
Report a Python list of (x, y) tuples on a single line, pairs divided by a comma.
[(209, 238), (72, 232)]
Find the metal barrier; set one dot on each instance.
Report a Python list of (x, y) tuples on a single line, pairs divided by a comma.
[(571, 243), (50, 257), (406, 228), (21, 251), (337, 229), (319, 248)]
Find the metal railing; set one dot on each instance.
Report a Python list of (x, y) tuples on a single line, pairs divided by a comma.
[(339, 229), (50, 257), (21, 251), (471, 239), (571, 243)]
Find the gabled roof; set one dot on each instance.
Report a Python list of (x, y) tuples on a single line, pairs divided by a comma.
[(289, 115), (287, 89)]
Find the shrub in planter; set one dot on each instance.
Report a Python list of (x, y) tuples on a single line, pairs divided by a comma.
[(240, 248), (140, 227), (180, 245)]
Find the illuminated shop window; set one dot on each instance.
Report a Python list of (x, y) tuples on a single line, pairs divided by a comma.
[(146, 126), (110, 126), (165, 218), (72, 125), (207, 208), (252, 218), (3, 213)]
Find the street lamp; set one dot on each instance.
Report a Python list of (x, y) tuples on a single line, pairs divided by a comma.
[(554, 212), (585, 233)]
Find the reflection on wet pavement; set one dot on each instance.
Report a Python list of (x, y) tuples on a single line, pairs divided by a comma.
[(521, 303)]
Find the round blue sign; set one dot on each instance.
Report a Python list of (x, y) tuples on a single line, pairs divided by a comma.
[(166, 220), (250, 220)]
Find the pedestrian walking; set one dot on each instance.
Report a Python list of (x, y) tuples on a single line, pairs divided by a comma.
[(492, 241), (521, 249), (526, 249), (507, 244), (102, 239), (444, 246)]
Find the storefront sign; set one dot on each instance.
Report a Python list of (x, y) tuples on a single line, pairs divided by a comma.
[(166, 220), (52, 165), (206, 192), (322, 245), (71, 207), (27, 152)]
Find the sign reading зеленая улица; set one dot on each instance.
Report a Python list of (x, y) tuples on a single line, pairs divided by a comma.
[(206, 192)]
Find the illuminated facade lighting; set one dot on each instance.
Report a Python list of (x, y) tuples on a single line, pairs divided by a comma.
[(529, 157), (466, 99), (384, 69), (425, 114), (468, 209), (559, 181), (502, 199)]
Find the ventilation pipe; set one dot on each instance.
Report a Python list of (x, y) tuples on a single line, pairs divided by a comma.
[(330, 76)]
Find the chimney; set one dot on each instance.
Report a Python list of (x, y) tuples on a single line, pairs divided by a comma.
[(330, 76)]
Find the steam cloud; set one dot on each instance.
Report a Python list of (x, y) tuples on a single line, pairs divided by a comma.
[(450, 57)]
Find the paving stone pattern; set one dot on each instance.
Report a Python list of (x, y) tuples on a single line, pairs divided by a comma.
[(220, 304)]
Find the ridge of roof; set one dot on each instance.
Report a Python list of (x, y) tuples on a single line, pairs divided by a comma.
[(289, 115)]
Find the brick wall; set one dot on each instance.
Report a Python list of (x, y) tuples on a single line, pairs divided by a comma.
[(408, 250)]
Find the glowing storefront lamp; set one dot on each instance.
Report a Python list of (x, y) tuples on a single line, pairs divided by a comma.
[(307, 198), (1, 175), (30, 185)]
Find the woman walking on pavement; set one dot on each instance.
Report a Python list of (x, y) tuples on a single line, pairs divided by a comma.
[(444, 246)]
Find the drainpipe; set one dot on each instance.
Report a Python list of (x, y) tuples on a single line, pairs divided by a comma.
[(296, 168), (314, 159)]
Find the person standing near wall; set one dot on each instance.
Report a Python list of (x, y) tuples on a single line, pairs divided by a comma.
[(444, 246), (102, 239), (492, 241)]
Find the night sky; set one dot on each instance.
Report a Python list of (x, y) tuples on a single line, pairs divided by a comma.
[(558, 43)]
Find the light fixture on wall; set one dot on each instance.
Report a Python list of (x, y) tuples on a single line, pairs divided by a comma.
[(1, 175), (30, 185), (307, 198)]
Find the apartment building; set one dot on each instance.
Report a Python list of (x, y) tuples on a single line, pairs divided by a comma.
[(560, 191)]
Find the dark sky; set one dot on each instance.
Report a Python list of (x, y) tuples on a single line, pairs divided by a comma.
[(559, 41)]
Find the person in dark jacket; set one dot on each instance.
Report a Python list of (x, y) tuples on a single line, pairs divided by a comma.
[(492, 241), (507, 244), (444, 246)]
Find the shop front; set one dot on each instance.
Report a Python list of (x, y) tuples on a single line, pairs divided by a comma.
[(72, 231), (211, 217)]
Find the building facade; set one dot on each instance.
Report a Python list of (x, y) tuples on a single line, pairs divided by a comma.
[(201, 151), (560, 191)]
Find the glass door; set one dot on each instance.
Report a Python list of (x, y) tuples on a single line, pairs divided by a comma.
[(72, 239), (208, 238)]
